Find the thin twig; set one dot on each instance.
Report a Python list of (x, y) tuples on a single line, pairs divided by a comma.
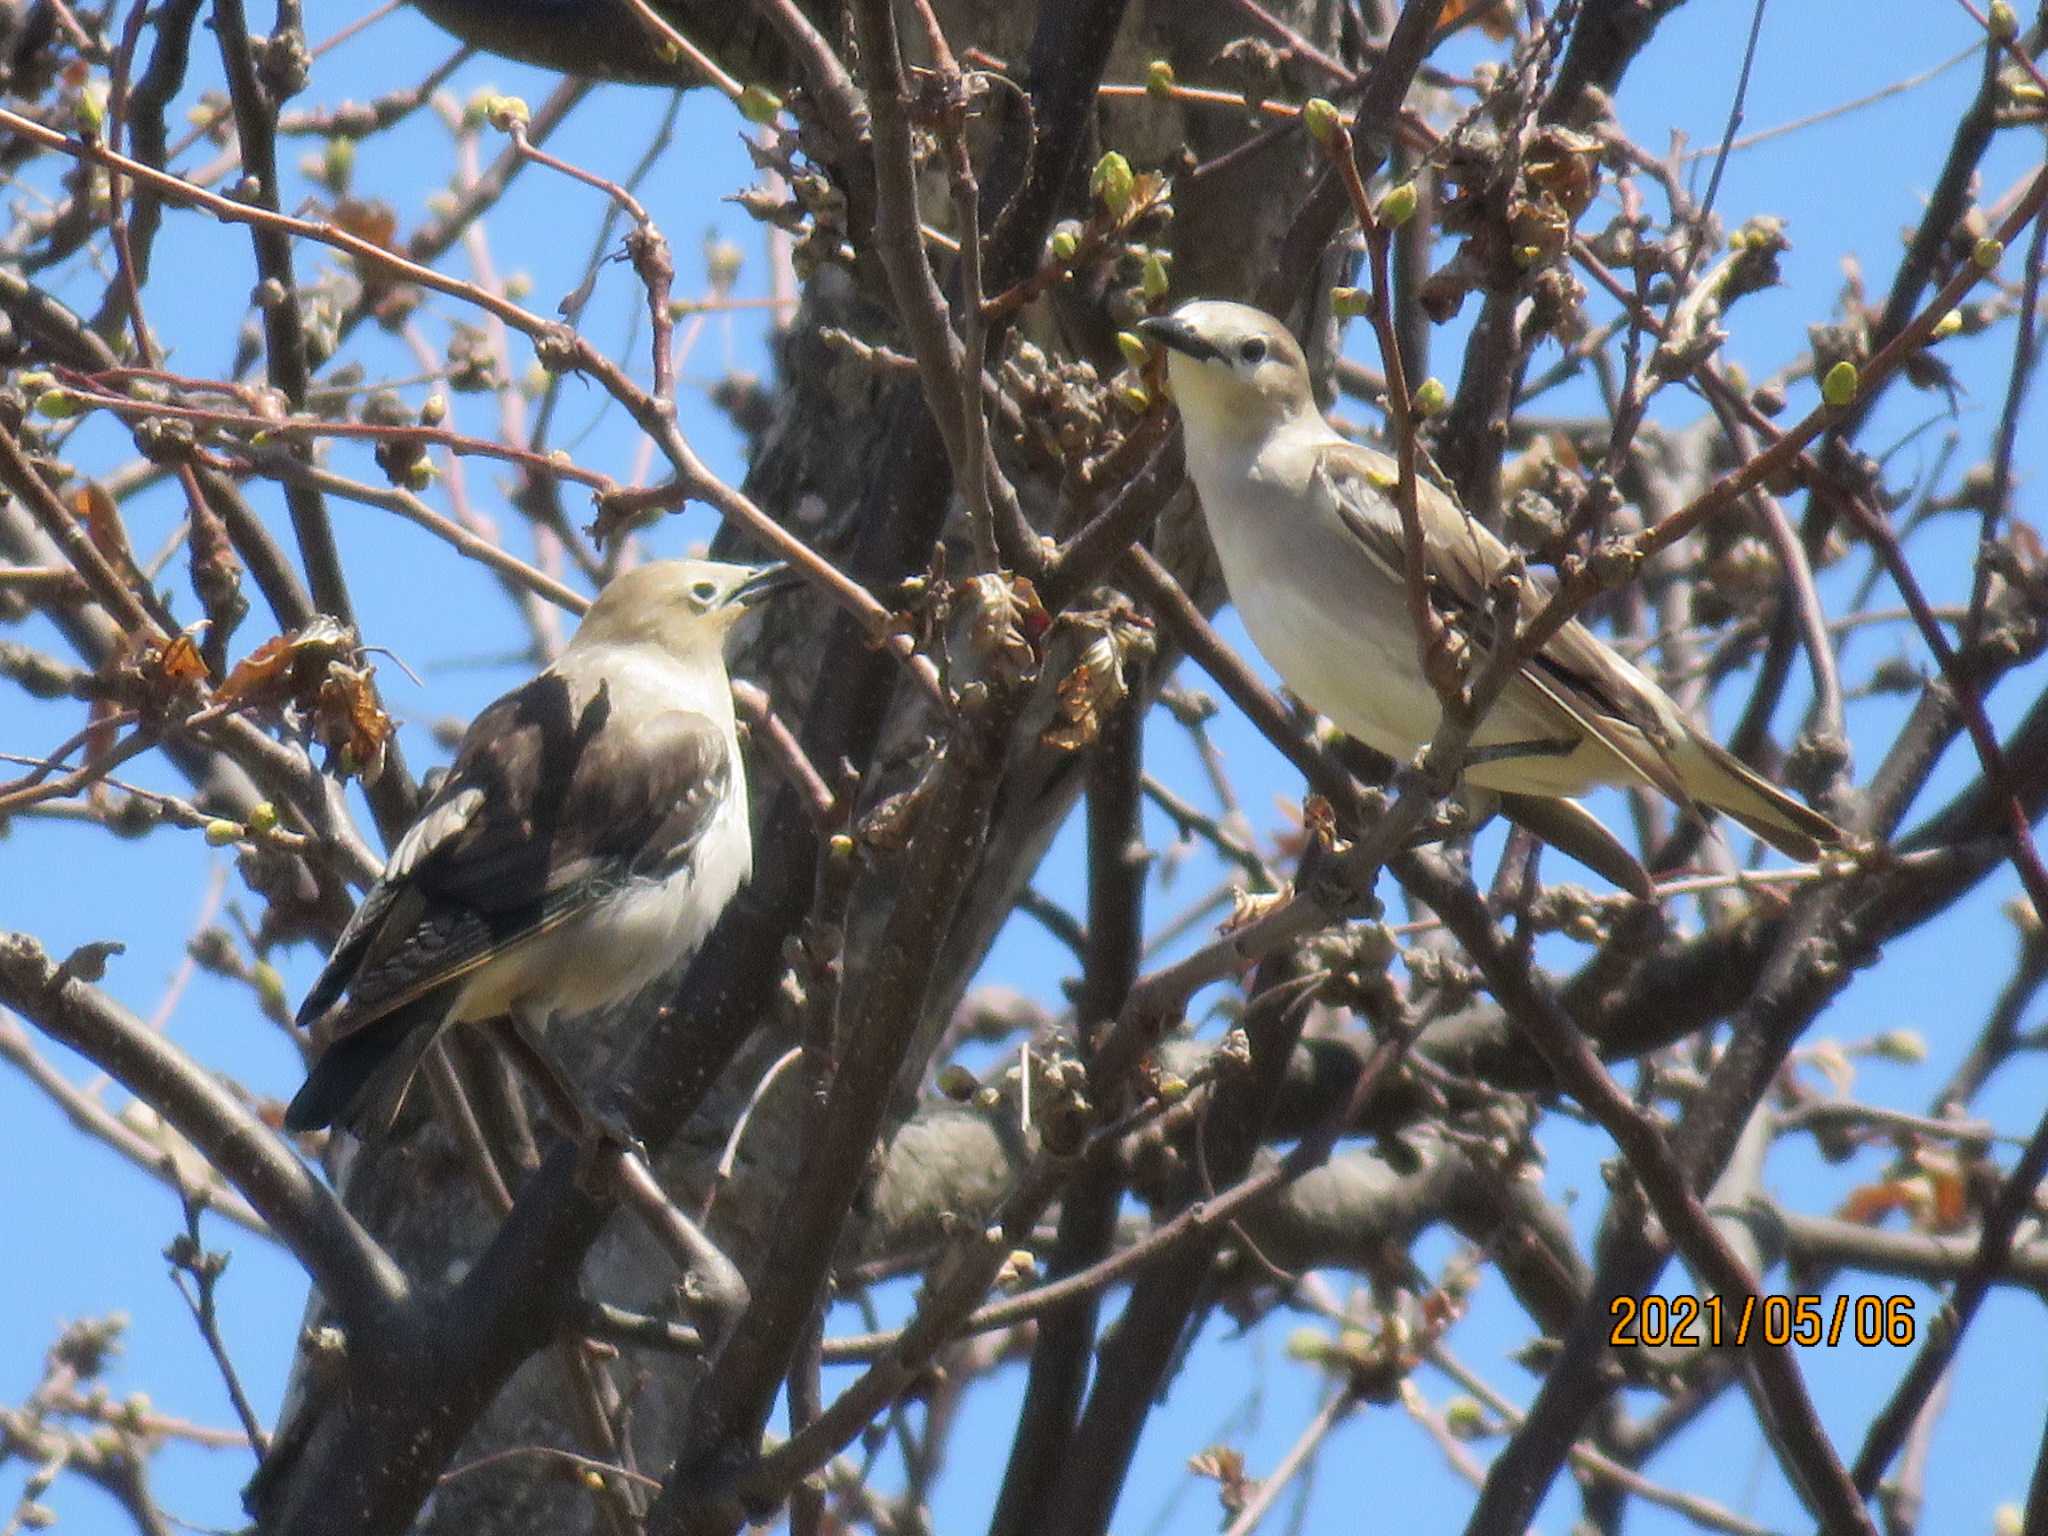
[(189, 1258)]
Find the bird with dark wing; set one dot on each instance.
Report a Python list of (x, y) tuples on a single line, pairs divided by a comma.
[(588, 835)]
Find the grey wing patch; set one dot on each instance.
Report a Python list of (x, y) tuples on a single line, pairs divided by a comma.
[(548, 806), (1462, 563), (1575, 676), (1365, 507)]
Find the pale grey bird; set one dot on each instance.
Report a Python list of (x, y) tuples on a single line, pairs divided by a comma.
[(1309, 538), (590, 831)]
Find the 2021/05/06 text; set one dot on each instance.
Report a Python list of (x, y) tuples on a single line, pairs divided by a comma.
[(1709, 1322)]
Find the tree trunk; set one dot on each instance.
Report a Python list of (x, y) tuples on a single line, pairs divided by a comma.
[(832, 454)]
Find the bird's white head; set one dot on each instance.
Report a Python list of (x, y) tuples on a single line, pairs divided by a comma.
[(1235, 371), (686, 607)]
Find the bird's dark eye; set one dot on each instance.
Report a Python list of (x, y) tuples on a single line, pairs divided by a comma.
[(703, 592), (1252, 349)]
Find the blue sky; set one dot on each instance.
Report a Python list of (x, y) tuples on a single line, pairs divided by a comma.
[(92, 1228)]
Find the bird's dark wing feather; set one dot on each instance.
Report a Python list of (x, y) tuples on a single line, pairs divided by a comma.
[(543, 810)]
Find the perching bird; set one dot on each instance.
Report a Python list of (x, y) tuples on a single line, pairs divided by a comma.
[(589, 833), (1305, 526)]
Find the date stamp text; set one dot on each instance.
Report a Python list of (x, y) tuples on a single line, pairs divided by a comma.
[(1708, 1322)]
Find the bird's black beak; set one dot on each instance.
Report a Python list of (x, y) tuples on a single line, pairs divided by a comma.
[(765, 583), (1178, 335)]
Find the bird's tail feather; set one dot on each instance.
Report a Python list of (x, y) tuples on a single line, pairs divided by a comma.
[(1716, 777), (360, 1081), (1571, 828)]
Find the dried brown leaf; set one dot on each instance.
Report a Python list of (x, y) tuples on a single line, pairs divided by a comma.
[(1565, 165), (1006, 625), (350, 722), (289, 666), (1869, 1204), (1096, 684), (376, 222), (1226, 1465)]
